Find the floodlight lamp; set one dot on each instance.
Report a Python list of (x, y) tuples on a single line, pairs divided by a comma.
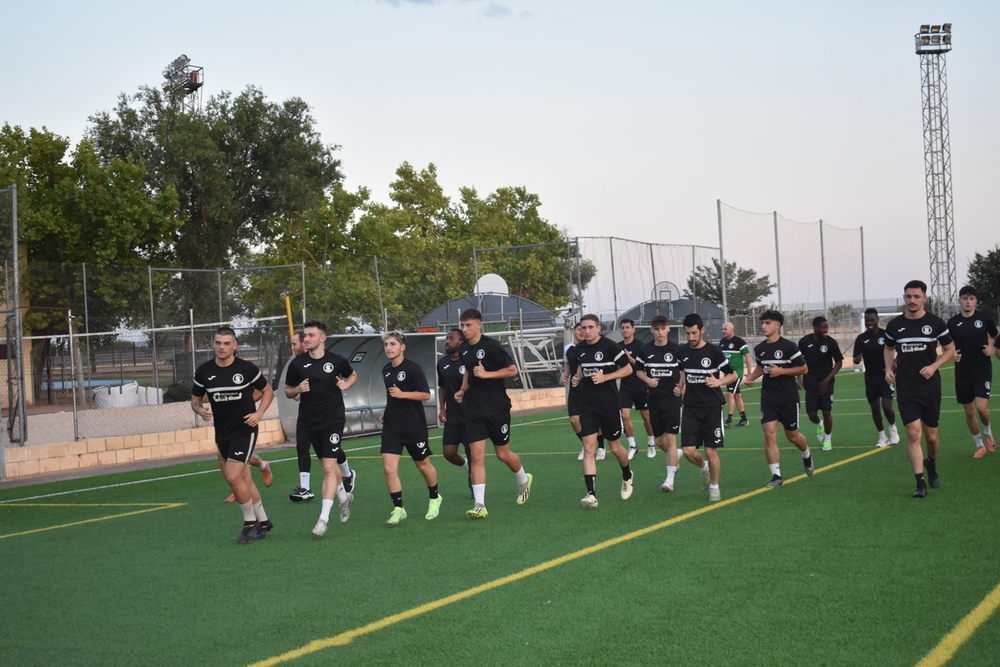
[(946, 39), (925, 40), (925, 29), (935, 29), (935, 39), (946, 27)]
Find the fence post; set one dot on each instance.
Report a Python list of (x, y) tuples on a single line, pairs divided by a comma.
[(777, 258), (72, 365), (152, 326), (822, 262), (722, 262)]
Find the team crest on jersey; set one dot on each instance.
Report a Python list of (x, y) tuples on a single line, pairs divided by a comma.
[(668, 357), (979, 324), (505, 428), (823, 348), (778, 354), (461, 370), (401, 375), (881, 341), (598, 356), (328, 367), (706, 362), (238, 378), (926, 330), (480, 354), (334, 438)]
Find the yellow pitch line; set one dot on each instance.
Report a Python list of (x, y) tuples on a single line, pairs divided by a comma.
[(949, 645), (162, 506), (349, 636)]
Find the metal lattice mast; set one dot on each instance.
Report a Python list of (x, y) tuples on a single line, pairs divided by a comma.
[(932, 42)]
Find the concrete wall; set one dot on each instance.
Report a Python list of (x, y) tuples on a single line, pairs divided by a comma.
[(48, 459)]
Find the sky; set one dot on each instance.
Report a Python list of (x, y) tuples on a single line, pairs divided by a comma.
[(627, 118)]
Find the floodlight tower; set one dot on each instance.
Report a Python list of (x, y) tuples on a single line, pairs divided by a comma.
[(932, 42), (184, 82)]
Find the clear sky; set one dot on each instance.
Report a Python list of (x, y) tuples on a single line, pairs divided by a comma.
[(627, 118)]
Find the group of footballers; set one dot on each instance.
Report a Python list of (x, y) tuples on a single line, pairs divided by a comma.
[(678, 389)]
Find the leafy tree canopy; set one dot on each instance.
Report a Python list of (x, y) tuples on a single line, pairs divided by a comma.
[(743, 286)]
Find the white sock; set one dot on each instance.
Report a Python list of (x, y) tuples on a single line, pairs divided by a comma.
[(258, 511), (631, 442), (522, 477), (345, 469), (978, 439), (263, 465), (775, 468), (324, 513), (671, 471), (247, 509), (827, 436), (651, 442), (713, 487), (479, 494), (806, 454), (341, 494), (304, 480), (465, 463), (986, 430), (881, 435), (705, 467)]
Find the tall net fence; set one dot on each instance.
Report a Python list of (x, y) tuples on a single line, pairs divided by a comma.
[(13, 424), (629, 274)]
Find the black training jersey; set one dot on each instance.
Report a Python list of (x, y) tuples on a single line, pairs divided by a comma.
[(916, 343), (404, 418), (602, 355), (698, 364), (660, 362), (631, 380), (785, 354), (450, 373), (870, 346), (971, 334), (485, 396), (322, 407), (820, 355), (230, 393)]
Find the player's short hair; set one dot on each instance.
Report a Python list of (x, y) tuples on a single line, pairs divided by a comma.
[(916, 284), (470, 314), (694, 320), (577, 325), (592, 318), (659, 320), (398, 335), (300, 335), (627, 320), (871, 311), (772, 315), (968, 290), (458, 331), (818, 320), (225, 331), (316, 324)]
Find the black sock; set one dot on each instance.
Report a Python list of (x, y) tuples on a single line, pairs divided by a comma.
[(600, 442), (931, 465), (626, 472), (591, 481), (397, 498), (433, 491), (920, 480), (743, 416)]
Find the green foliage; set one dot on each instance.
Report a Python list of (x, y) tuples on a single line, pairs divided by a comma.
[(984, 275), (743, 286)]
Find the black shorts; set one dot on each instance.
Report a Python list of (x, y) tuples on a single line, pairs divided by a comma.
[(495, 427), (418, 450), (816, 401), (702, 426), (573, 402), (608, 423), (923, 405), (238, 446), (666, 419), (734, 388), (326, 443), (630, 395), (876, 388), (972, 385), (454, 434), (787, 414)]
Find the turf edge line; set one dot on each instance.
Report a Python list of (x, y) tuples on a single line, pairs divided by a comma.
[(349, 636), (951, 642), (160, 506)]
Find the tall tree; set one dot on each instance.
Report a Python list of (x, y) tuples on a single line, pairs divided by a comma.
[(743, 286), (984, 275), (240, 167)]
